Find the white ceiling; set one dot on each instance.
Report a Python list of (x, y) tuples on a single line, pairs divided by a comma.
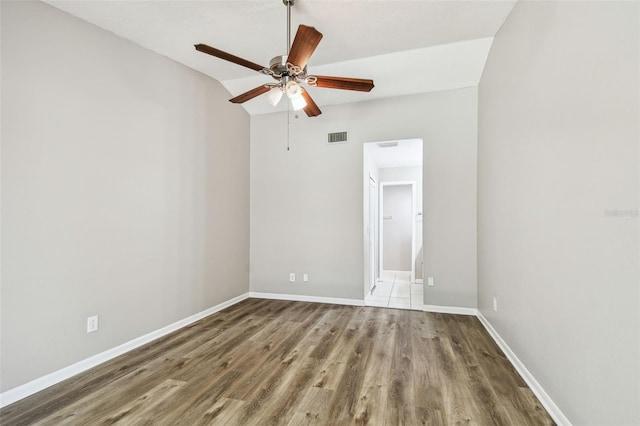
[(404, 46), (407, 153)]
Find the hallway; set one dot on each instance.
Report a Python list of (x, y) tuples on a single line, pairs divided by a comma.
[(396, 291)]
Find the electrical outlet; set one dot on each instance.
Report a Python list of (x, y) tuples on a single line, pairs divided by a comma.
[(292, 277), (92, 324), (430, 281), (495, 304), (305, 278)]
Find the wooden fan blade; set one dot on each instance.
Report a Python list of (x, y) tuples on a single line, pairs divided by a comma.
[(311, 109), (246, 96), (305, 42), (344, 83), (227, 57)]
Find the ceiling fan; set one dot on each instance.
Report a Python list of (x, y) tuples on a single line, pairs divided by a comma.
[(291, 70)]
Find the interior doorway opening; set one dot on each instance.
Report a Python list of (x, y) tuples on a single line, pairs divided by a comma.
[(393, 223)]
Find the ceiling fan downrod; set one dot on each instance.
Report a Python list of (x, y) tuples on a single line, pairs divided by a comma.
[(288, 3), (280, 69)]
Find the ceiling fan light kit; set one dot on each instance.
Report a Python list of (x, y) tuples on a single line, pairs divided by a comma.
[(290, 71), (274, 95)]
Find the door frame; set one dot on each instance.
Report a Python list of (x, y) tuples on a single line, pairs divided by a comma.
[(373, 232), (381, 225)]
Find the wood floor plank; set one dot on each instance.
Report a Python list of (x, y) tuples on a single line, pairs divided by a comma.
[(196, 401), (501, 375), (223, 411), (288, 338), (342, 408), (228, 361), (481, 399), (276, 372), (401, 398), (450, 375), (286, 388), (538, 414), (141, 410), (337, 327), (312, 410), (104, 401), (335, 348), (297, 375), (429, 398), (271, 362), (372, 401), (429, 393)]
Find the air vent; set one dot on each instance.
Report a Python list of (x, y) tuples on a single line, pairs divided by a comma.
[(387, 144), (337, 137)]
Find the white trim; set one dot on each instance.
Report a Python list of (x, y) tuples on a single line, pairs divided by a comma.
[(29, 388), (380, 229), (543, 397), (419, 281), (372, 230), (413, 230), (449, 310), (301, 298)]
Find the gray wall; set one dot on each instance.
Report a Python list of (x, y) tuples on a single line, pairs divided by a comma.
[(124, 191), (558, 147), (307, 203)]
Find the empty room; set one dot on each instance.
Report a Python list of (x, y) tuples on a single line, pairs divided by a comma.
[(315, 212)]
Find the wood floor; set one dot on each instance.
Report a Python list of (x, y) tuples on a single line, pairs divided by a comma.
[(269, 362)]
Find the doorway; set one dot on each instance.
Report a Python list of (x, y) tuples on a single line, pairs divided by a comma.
[(392, 213)]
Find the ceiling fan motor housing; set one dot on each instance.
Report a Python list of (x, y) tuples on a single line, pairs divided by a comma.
[(279, 68)]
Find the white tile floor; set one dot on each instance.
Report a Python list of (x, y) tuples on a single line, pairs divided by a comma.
[(396, 291)]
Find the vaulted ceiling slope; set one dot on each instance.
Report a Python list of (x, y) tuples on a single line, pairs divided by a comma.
[(404, 46)]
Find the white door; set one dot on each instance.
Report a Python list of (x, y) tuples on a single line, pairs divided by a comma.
[(371, 229)]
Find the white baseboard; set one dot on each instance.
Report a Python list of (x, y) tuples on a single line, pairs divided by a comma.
[(301, 298), (533, 384), (449, 310), (23, 391)]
